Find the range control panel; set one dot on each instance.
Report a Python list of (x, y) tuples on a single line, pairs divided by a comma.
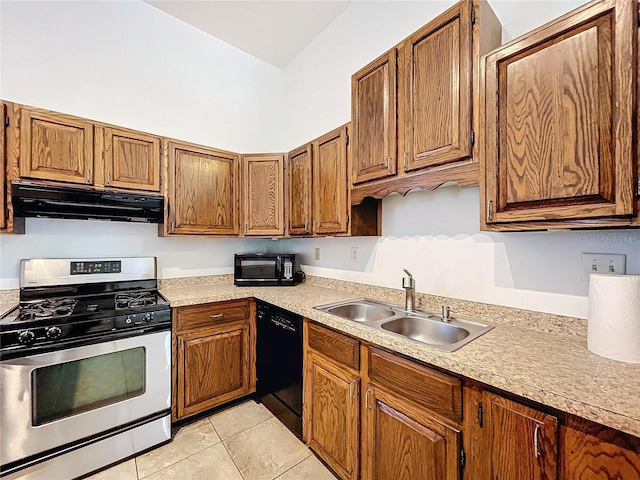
[(84, 268)]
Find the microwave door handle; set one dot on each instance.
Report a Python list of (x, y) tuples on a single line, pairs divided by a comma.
[(278, 268)]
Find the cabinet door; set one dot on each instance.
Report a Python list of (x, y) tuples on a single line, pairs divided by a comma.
[(559, 118), (299, 167), (437, 90), (131, 159), (519, 442), (56, 147), (330, 204), (213, 367), (263, 194), (204, 190), (373, 109), (331, 402), (403, 443)]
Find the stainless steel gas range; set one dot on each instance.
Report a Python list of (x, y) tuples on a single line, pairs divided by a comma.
[(85, 367)]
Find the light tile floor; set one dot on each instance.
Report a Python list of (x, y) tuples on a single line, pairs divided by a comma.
[(244, 442)]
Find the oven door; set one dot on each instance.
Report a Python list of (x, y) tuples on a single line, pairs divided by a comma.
[(53, 399)]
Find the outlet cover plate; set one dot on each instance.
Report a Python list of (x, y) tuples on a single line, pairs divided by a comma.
[(607, 263)]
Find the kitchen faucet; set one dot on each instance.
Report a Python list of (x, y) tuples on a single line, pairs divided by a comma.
[(409, 284)]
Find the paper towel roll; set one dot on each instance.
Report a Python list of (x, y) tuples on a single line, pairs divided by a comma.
[(613, 330)]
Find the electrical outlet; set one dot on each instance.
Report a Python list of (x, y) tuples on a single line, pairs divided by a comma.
[(354, 254), (317, 254), (611, 263)]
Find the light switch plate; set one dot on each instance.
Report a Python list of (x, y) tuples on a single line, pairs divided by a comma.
[(608, 263)]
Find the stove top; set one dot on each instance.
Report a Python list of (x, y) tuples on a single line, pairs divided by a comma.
[(88, 300)]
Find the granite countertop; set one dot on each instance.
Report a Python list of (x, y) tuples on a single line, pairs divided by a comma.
[(552, 367)]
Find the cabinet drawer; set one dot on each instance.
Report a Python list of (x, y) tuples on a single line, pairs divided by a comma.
[(334, 345), (208, 313), (423, 386)]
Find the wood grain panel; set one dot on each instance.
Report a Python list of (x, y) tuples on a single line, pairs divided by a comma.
[(332, 423), (334, 345), (589, 451), (510, 443), (204, 190), (263, 194), (438, 100), (3, 168), (423, 386), (374, 99), (210, 313), (558, 123), (300, 190), (56, 147), (131, 159), (330, 183)]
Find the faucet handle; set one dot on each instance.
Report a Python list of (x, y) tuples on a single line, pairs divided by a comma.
[(408, 282), (407, 272)]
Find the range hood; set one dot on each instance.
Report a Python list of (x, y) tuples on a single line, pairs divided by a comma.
[(38, 200)]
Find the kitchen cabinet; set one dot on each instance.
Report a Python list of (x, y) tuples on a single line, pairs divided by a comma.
[(414, 124), (330, 183), (263, 194), (299, 190), (3, 169), (331, 407), (411, 417), (214, 351), (61, 148), (131, 159), (507, 439), (202, 191), (558, 119)]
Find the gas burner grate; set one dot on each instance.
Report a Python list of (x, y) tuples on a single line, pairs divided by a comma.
[(134, 299), (44, 309)]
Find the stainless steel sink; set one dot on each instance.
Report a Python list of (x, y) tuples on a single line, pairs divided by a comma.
[(426, 331), (362, 312), (424, 327)]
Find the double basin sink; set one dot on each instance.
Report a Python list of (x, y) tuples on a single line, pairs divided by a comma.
[(428, 328)]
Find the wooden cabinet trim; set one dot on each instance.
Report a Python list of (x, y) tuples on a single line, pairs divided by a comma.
[(333, 345)]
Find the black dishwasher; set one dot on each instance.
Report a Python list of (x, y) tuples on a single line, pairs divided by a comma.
[(279, 363)]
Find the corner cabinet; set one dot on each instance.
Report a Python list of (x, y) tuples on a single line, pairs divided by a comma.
[(263, 194), (203, 191), (214, 351), (414, 123), (559, 114)]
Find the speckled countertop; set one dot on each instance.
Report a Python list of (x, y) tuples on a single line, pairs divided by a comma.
[(537, 356)]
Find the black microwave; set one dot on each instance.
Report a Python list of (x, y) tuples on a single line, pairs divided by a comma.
[(264, 269)]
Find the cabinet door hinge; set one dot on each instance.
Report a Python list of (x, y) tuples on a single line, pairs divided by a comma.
[(463, 458), (473, 17), (480, 415), (6, 120), (473, 137), (346, 139)]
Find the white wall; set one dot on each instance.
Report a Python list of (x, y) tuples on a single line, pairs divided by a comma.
[(130, 64), (436, 234)]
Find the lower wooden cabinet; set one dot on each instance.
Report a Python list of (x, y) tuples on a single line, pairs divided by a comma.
[(331, 426), (215, 360), (402, 442)]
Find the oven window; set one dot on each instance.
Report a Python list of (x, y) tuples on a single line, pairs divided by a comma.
[(257, 269), (66, 389)]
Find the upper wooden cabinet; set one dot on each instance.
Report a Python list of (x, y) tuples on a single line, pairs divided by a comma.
[(414, 109), (299, 168), (559, 118), (263, 194), (61, 148), (202, 195), (131, 159), (330, 183), (373, 105), (56, 147), (3, 169)]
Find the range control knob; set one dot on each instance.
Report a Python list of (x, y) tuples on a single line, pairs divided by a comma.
[(26, 337), (54, 332), (148, 318)]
